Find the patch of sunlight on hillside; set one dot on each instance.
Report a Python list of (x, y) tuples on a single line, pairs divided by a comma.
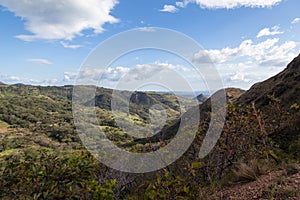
[(3, 126)]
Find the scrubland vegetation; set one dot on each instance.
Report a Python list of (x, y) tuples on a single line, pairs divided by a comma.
[(41, 155)]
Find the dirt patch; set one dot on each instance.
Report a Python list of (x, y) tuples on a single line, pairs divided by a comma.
[(279, 185)]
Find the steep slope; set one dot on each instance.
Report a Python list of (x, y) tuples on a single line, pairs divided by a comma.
[(278, 99), (285, 86), (271, 124), (262, 125)]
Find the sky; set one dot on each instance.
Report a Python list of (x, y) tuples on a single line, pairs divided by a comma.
[(47, 42)]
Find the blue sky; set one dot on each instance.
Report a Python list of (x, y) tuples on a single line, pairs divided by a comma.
[(45, 42)]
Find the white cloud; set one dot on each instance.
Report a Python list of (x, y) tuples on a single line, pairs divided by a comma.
[(267, 31), (144, 71), (181, 4), (169, 8), (268, 53), (230, 4), (61, 19), (296, 20), (39, 61), (139, 72), (69, 76), (279, 55), (70, 46), (244, 74), (250, 62), (8, 79), (146, 29), (239, 76), (127, 77), (156, 75), (90, 75)]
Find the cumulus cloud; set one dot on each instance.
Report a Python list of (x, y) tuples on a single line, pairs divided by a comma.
[(267, 52), (239, 76), (244, 74), (169, 8), (249, 62), (296, 20), (108, 76), (69, 76), (39, 61), (138, 72), (230, 4), (243, 79), (9, 79), (61, 19), (278, 55), (269, 31), (181, 4), (127, 78), (91, 75), (144, 71), (70, 46)]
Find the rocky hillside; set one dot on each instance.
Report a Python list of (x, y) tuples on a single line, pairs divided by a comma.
[(262, 126), (284, 86), (278, 98)]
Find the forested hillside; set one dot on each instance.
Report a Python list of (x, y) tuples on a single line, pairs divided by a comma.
[(41, 155)]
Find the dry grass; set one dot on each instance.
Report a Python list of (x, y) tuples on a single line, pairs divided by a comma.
[(247, 172), (3, 127)]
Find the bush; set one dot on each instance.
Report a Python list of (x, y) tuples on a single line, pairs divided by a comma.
[(45, 175)]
